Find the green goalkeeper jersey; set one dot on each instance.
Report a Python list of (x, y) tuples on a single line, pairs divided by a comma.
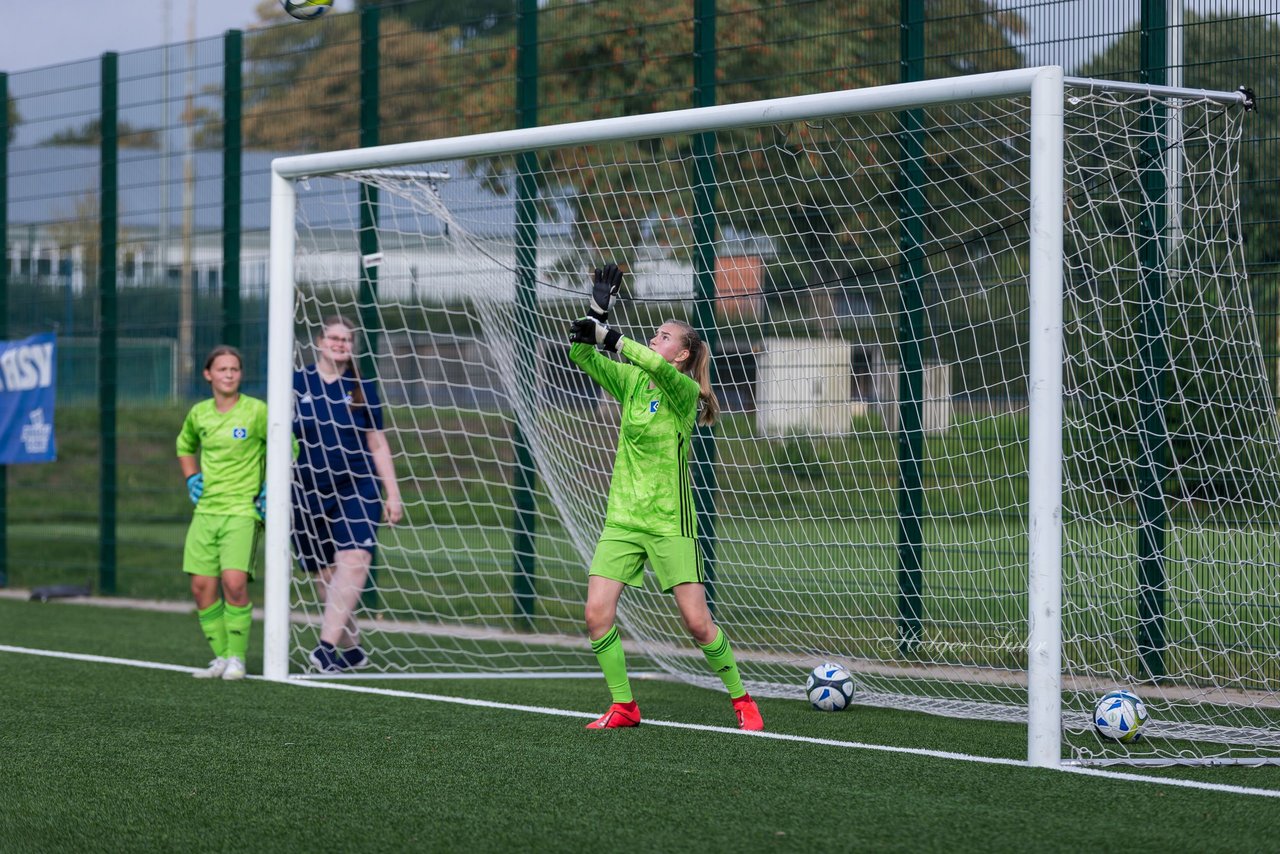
[(651, 489), (233, 454)]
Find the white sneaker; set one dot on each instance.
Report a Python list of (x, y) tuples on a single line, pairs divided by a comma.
[(234, 670), (214, 671)]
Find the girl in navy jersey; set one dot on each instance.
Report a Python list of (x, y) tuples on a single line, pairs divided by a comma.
[(344, 487)]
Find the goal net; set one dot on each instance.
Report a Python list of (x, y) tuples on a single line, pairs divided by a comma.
[(864, 266)]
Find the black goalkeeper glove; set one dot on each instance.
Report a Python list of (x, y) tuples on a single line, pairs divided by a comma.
[(604, 285), (588, 330)]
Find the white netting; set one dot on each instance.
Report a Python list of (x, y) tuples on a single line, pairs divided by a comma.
[(842, 387)]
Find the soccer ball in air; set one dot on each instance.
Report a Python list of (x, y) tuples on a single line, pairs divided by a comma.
[(1120, 716), (305, 10), (829, 687)]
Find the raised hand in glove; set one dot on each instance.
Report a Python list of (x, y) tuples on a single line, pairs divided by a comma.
[(604, 285), (588, 330)]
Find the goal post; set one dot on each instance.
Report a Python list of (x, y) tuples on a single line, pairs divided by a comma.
[(1015, 393), (1044, 403)]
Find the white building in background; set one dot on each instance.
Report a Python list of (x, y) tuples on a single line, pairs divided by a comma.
[(54, 212)]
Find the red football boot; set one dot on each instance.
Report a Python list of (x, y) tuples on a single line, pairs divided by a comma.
[(748, 713), (620, 715)]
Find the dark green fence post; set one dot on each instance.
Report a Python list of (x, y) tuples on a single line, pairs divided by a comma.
[(4, 306), (525, 518), (107, 367), (1153, 437), (911, 323), (703, 448), (232, 55), (370, 319), (369, 132)]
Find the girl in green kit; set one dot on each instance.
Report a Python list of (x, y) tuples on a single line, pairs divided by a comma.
[(664, 389), (226, 485)]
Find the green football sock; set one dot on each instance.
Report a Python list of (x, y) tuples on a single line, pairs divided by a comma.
[(720, 656), (239, 620), (613, 662), (214, 626)]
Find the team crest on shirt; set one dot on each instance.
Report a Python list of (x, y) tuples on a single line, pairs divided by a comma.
[(239, 433), (653, 406)]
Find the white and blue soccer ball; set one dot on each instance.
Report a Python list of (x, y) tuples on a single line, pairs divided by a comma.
[(829, 687), (1120, 716), (305, 10)]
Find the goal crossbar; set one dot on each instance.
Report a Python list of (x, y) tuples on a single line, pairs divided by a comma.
[(895, 96)]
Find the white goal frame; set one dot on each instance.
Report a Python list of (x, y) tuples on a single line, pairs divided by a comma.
[(1044, 85)]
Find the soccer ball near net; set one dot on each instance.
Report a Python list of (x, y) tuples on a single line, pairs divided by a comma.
[(305, 10), (829, 687), (1120, 716)]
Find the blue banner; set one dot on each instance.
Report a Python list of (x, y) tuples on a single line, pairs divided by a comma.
[(28, 378)]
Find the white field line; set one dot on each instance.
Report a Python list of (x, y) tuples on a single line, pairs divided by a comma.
[(649, 722), (578, 642)]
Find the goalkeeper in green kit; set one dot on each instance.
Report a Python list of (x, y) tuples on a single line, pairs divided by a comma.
[(229, 431), (664, 389)]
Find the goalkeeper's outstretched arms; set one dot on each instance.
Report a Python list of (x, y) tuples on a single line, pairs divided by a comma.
[(590, 331), (685, 387), (587, 333)]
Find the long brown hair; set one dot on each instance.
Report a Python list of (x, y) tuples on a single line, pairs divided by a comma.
[(698, 365), (353, 372)]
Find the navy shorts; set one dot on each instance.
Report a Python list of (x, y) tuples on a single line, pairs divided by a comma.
[(344, 517)]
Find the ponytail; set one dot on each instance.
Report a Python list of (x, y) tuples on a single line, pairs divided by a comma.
[(698, 366)]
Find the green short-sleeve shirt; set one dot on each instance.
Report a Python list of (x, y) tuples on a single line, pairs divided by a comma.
[(233, 454), (651, 489)]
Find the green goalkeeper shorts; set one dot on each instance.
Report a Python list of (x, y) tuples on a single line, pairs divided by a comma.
[(215, 543), (621, 555)]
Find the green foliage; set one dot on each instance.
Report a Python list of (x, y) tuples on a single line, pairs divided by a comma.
[(1213, 58), (608, 59), (471, 17)]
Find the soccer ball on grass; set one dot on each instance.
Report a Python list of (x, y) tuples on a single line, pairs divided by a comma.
[(305, 10), (829, 687), (1120, 716)]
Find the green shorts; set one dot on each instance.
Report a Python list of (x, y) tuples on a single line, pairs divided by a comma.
[(621, 554), (215, 543)]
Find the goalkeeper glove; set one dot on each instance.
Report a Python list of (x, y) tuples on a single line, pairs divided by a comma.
[(588, 330), (604, 285), (195, 487), (260, 503)]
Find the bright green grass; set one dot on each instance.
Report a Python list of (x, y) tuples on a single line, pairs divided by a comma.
[(109, 758), (975, 588)]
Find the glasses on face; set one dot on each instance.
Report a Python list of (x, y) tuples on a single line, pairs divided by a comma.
[(338, 339)]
